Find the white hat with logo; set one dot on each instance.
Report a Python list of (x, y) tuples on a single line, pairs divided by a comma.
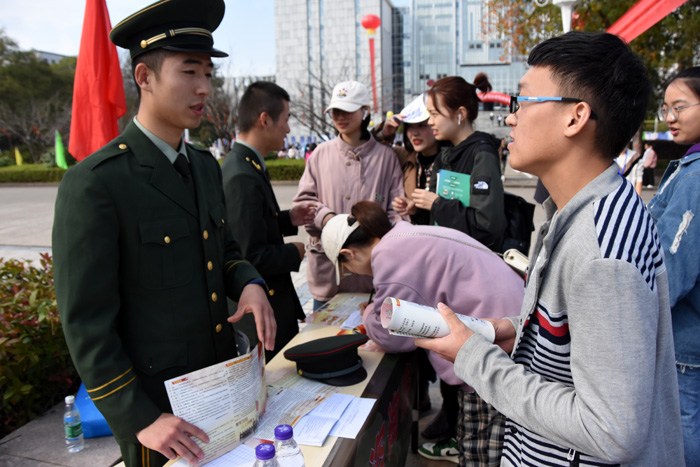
[(349, 96)]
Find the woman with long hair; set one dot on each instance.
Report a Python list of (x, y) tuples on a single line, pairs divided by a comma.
[(675, 209), (417, 155), (453, 106)]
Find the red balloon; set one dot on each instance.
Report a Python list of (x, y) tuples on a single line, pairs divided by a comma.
[(371, 22), (430, 82)]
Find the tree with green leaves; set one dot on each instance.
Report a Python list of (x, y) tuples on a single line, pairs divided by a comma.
[(35, 96)]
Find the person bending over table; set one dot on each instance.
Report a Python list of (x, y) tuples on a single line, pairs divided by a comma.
[(427, 265)]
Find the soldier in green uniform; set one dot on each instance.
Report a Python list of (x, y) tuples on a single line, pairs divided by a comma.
[(256, 220), (144, 257)]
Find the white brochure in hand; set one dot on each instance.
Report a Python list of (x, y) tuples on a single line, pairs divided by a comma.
[(409, 319)]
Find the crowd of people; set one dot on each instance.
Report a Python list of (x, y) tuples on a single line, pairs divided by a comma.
[(596, 359)]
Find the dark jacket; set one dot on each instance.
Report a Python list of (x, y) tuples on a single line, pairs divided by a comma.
[(141, 275), (484, 218), (260, 227)]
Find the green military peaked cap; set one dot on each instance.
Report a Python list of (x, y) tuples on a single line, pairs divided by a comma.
[(178, 25)]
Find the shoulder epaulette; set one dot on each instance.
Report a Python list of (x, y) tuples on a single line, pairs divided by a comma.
[(255, 164), (112, 149)]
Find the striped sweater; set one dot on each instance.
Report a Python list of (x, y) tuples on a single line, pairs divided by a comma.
[(592, 378)]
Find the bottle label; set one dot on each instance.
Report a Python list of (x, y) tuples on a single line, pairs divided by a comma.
[(73, 430)]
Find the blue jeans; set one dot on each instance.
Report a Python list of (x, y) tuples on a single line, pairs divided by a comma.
[(689, 385)]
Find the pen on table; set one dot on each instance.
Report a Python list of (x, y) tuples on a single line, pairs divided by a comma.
[(371, 294)]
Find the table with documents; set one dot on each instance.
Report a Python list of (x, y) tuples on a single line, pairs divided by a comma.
[(385, 436), (377, 424)]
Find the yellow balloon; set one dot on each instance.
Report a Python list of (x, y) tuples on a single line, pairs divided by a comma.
[(389, 114), (371, 123)]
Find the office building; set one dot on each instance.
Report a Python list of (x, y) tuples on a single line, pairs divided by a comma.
[(453, 38), (322, 42)]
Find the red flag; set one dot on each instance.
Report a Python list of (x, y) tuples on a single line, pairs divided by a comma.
[(98, 90), (643, 15)]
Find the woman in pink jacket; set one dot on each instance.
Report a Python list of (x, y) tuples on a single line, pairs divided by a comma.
[(350, 168), (426, 265)]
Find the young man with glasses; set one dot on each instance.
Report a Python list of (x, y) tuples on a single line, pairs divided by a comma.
[(591, 377)]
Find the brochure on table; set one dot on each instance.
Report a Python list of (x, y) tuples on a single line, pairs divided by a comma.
[(341, 309), (344, 311)]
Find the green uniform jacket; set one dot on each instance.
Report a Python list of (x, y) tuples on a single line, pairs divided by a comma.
[(141, 275), (259, 227)]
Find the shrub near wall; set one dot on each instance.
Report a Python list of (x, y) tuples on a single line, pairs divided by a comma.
[(285, 169), (279, 169), (36, 371), (30, 173)]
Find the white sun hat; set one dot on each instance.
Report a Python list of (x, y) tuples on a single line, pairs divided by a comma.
[(333, 237), (415, 112)]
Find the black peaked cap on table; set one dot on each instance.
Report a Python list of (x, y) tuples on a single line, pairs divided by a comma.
[(178, 25), (331, 360)]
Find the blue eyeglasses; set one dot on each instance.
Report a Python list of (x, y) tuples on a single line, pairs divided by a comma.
[(515, 102)]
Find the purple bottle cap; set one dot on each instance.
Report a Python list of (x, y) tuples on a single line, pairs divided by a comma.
[(265, 451), (283, 432)]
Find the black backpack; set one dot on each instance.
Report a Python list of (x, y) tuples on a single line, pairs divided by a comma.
[(519, 223)]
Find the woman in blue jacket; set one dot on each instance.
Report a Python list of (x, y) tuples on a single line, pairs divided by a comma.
[(674, 209)]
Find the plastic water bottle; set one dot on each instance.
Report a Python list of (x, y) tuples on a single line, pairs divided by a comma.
[(72, 426), (288, 452), (265, 456)]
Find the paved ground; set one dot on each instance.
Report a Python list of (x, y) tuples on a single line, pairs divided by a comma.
[(25, 231)]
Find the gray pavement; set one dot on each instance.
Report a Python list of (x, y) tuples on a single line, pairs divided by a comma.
[(26, 211)]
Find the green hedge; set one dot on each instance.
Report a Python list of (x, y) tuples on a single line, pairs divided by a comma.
[(285, 169), (279, 169), (36, 371), (30, 173)]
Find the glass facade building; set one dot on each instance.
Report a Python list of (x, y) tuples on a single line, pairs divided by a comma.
[(452, 37), (322, 42)]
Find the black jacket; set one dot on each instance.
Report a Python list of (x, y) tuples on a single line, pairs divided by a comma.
[(259, 228), (484, 218)]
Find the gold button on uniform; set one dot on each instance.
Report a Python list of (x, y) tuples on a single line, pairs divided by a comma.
[(205, 234), (348, 163), (210, 265), (219, 327), (272, 292), (166, 239), (223, 221), (122, 146), (347, 197), (214, 297)]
